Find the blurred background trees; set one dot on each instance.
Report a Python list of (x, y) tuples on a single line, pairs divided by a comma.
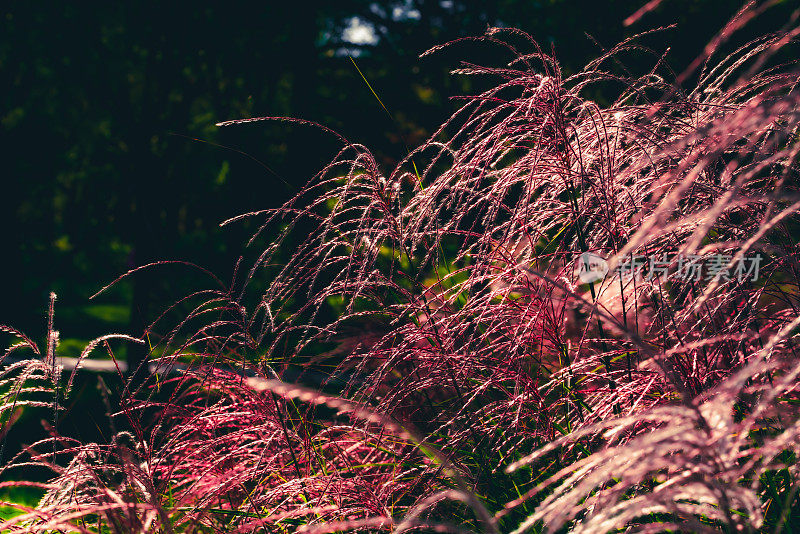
[(110, 156)]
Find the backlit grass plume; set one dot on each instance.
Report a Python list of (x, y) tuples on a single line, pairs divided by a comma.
[(434, 352)]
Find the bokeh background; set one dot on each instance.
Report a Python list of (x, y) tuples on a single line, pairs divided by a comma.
[(110, 156)]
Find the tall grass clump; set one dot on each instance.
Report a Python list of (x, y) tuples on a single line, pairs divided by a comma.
[(428, 354)]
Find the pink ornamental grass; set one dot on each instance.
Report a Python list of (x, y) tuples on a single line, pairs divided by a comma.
[(458, 374)]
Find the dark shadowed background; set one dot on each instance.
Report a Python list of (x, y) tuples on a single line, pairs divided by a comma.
[(110, 156)]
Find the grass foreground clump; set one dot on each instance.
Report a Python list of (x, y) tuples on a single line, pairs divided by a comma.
[(558, 314)]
